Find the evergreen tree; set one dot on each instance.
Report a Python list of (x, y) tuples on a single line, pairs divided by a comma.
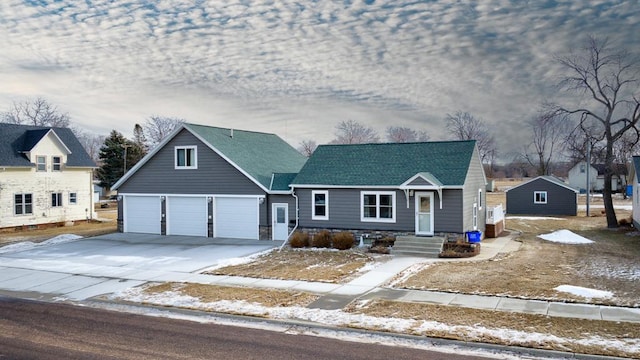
[(112, 156)]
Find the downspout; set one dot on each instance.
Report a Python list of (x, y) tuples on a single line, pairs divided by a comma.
[(293, 193)]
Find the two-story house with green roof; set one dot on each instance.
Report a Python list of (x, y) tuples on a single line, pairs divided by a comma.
[(423, 188), (217, 182), (211, 181)]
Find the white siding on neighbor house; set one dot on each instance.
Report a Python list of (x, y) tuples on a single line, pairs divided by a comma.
[(42, 185), (578, 179), (49, 147)]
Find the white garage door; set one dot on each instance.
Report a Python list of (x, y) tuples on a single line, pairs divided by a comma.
[(236, 217), (187, 216), (142, 214)]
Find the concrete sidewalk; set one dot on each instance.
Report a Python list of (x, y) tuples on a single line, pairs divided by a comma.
[(62, 280)]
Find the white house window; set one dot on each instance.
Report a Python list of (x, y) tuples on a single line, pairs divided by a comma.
[(56, 199), (73, 198), (480, 199), (320, 205), (378, 206), (475, 216), (41, 163), (23, 204), (186, 157), (539, 197), (56, 162), (583, 168)]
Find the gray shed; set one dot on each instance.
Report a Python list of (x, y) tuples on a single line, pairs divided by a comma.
[(544, 195)]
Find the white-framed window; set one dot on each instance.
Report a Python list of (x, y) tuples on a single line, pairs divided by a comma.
[(475, 217), (583, 168), (539, 197), (320, 205), (56, 199), (41, 163), (378, 206), (480, 199), (23, 204), (56, 163), (73, 198), (186, 157)]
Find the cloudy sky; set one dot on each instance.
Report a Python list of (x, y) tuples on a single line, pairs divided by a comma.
[(298, 68)]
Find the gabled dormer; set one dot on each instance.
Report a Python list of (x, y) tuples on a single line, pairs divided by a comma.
[(45, 149)]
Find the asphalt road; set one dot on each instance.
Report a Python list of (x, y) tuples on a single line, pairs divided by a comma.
[(39, 330)]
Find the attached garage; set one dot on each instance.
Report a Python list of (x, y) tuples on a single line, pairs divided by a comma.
[(237, 217), (187, 216), (142, 214)]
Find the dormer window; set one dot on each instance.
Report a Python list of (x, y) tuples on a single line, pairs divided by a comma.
[(186, 157), (56, 163), (41, 163)]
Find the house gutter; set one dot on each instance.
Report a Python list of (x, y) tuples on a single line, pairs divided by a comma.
[(293, 193)]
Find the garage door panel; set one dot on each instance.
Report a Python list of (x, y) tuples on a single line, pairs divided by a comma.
[(237, 217), (187, 216), (142, 214)]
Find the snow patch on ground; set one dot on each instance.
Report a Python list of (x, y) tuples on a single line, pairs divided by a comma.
[(584, 292), (407, 273), (565, 237), (28, 245), (343, 319)]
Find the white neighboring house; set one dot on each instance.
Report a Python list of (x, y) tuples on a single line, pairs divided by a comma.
[(45, 177), (634, 178), (577, 177)]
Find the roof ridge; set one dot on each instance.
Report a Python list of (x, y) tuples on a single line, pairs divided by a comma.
[(403, 143), (230, 128)]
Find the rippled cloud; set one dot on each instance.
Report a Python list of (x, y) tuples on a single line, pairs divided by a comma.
[(297, 68)]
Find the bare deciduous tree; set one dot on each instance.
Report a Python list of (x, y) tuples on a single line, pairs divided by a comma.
[(548, 131), (38, 112), (156, 128), (90, 142), (352, 132), (609, 79), (307, 147), (464, 126), (399, 134)]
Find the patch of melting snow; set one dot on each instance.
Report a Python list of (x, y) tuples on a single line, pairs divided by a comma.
[(407, 273), (565, 237), (28, 245), (584, 292), (237, 261), (398, 325)]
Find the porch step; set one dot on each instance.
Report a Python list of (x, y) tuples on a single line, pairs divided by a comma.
[(418, 246)]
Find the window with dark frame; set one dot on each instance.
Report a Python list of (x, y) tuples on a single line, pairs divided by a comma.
[(73, 198), (56, 199), (56, 163), (23, 204)]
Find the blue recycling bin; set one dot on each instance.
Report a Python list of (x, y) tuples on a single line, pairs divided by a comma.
[(474, 236), (629, 190)]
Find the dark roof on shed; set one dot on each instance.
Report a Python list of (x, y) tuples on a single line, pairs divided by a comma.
[(17, 139), (549, 178)]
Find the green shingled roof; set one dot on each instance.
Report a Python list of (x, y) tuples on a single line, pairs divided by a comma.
[(387, 164), (258, 154)]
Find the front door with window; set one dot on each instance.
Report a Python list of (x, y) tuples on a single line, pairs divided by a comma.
[(424, 213), (280, 221)]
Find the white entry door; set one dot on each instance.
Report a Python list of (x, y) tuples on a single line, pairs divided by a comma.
[(424, 213), (280, 221)]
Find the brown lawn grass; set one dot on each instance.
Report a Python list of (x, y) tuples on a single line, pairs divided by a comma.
[(302, 264), (530, 323), (84, 229), (213, 293)]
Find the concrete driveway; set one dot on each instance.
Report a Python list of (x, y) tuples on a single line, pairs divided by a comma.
[(103, 264)]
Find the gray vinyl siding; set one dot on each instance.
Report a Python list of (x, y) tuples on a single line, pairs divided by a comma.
[(275, 199), (474, 182), (214, 175), (560, 200), (344, 211)]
